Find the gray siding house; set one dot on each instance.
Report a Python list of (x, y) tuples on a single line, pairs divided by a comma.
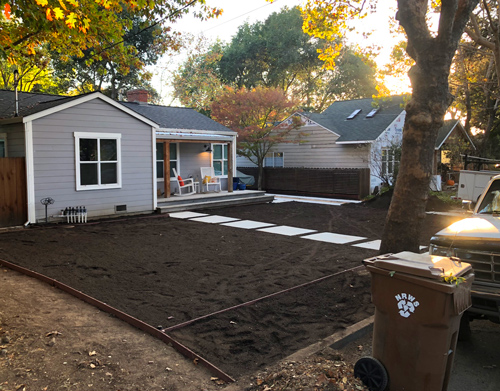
[(350, 134), (92, 151)]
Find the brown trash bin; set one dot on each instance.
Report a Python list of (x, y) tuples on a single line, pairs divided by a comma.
[(417, 319)]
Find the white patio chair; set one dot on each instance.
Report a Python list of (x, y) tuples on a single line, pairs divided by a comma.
[(208, 179), (183, 184)]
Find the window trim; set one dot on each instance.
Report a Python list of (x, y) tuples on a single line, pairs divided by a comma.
[(98, 136), (224, 158), (177, 150), (389, 163), (177, 160)]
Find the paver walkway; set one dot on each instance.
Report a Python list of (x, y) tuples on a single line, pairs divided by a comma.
[(310, 234)]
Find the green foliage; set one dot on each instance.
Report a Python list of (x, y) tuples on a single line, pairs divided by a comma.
[(196, 82), (446, 197), (107, 74), (275, 54), (271, 54), (108, 35)]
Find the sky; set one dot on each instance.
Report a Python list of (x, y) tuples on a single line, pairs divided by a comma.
[(237, 12)]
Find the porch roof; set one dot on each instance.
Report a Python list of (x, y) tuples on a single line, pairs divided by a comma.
[(183, 134), (177, 118)]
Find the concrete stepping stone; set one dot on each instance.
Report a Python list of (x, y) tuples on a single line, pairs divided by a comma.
[(330, 237), (287, 230)]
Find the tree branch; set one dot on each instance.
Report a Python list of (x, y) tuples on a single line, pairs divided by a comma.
[(464, 10), (475, 34), (411, 15)]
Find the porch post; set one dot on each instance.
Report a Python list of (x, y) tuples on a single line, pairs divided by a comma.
[(230, 167), (166, 168)]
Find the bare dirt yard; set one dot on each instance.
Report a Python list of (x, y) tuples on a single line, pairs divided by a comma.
[(166, 271)]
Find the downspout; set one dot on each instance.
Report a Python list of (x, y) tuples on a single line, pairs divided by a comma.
[(30, 171), (155, 185), (16, 82)]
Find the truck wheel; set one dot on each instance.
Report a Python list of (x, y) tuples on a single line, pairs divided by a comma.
[(465, 333), (372, 373)]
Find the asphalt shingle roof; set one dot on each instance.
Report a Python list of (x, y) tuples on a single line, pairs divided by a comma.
[(165, 116), (176, 117), (359, 128), (29, 103)]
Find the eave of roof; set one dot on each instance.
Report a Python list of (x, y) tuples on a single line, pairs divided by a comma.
[(34, 106)]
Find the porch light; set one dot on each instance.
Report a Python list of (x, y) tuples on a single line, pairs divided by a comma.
[(208, 148)]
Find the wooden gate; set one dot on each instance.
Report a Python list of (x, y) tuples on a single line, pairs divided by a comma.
[(13, 199)]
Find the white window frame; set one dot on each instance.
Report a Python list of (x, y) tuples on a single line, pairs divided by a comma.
[(390, 164), (3, 137), (177, 160), (98, 136), (158, 179), (272, 155), (224, 158)]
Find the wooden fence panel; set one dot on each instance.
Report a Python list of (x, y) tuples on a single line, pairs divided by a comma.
[(322, 182), (13, 198)]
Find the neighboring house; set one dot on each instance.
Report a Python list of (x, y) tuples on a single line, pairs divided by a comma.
[(108, 156), (351, 134)]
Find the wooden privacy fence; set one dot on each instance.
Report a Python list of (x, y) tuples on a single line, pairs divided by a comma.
[(351, 183), (13, 199)]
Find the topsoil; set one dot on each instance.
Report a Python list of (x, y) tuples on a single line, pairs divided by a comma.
[(166, 271)]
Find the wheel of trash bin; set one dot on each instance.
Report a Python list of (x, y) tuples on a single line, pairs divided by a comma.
[(372, 373)]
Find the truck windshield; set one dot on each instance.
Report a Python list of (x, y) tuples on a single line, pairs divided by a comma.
[(491, 201)]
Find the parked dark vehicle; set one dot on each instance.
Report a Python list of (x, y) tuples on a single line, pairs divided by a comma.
[(476, 240)]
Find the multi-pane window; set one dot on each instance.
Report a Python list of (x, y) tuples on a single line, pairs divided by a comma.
[(160, 160), (390, 162), (274, 159), (98, 164), (219, 159)]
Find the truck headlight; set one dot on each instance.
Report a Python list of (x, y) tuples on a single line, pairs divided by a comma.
[(440, 251)]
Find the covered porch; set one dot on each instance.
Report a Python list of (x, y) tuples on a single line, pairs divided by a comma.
[(185, 153)]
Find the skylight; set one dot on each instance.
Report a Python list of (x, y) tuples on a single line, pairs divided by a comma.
[(354, 114), (372, 113)]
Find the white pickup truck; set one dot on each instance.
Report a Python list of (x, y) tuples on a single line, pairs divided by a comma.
[(476, 240)]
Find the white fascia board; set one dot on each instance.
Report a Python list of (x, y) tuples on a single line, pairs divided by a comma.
[(188, 135), (466, 134), (195, 131), (438, 147), (462, 129), (87, 98), (355, 142)]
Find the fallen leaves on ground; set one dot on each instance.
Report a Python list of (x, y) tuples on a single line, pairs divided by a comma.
[(317, 373)]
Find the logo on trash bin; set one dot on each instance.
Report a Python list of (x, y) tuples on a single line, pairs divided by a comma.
[(406, 304)]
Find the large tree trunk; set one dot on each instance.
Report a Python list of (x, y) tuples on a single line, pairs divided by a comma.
[(424, 115)]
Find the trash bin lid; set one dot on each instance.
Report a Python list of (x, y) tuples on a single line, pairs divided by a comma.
[(422, 265)]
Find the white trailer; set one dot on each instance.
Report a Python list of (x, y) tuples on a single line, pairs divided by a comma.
[(471, 184)]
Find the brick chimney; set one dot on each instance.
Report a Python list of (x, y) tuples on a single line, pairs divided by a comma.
[(140, 96)]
